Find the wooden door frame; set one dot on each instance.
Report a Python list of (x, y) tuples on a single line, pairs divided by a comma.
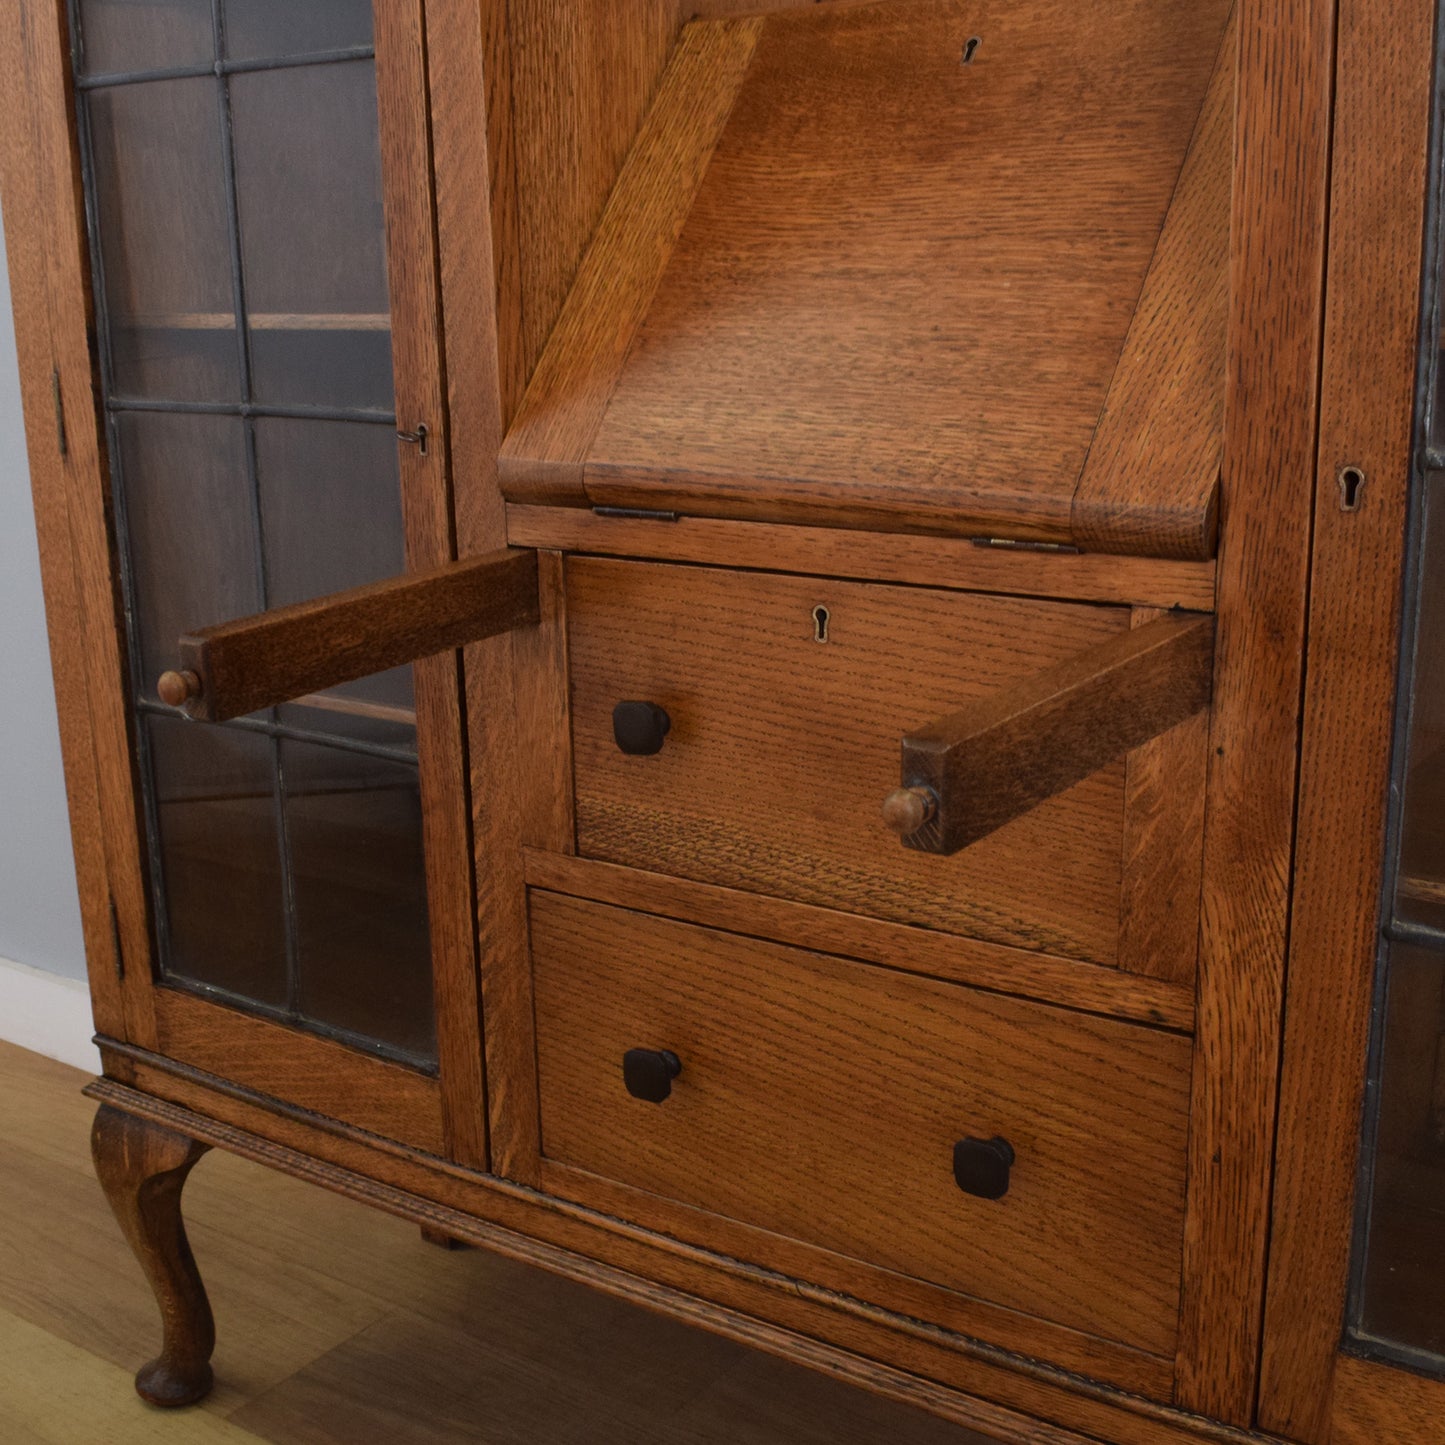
[(40, 172), (1310, 1390)]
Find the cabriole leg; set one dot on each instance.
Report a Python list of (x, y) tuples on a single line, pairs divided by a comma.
[(142, 1168)]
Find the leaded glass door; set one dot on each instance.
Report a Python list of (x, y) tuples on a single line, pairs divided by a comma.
[(256, 181)]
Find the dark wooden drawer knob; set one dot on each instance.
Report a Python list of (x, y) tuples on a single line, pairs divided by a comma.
[(640, 727), (981, 1166), (648, 1073)]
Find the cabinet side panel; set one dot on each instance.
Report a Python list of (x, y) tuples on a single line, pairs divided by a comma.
[(582, 77), (51, 292), (1277, 249)]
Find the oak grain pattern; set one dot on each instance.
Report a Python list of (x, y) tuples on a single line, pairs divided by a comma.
[(469, 67), (869, 556), (1000, 757), (1163, 848), (1277, 251), (823, 344), (782, 749), (581, 80), (142, 1166), (1106, 1361), (542, 457), (1062, 981), (1381, 138), (256, 662), (304, 1070), (886, 1352), (790, 1059), (1373, 1402), (51, 294), (1157, 449), (416, 336), (314, 1289), (544, 715)]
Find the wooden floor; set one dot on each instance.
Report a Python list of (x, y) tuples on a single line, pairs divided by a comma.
[(338, 1324)]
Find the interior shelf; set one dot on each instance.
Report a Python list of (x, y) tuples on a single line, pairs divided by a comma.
[(952, 267), (260, 321)]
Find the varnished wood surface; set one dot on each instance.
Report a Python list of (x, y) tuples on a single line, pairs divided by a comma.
[(894, 1355), (142, 1167), (1381, 132), (1372, 1402), (338, 1325), (1163, 821), (1092, 988), (404, 121), (573, 383), (870, 556), (782, 749), (256, 662), (790, 1059), (51, 293), (1161, 432), (302, 1069), (730, 403), (472, 151), (999, 758), (1277, 252)]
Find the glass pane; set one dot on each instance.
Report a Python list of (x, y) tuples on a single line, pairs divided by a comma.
[(189, 529), (1421, 885), (162, 214), (220, 857), (363, 945), (1404, 1274), (315, 479), (273, 28), (121, 36), (308, 179)]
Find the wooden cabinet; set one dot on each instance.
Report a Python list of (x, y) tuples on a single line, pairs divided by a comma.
[(750, 652)]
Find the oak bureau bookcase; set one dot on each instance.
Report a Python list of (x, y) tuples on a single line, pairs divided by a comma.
[(759, 653)]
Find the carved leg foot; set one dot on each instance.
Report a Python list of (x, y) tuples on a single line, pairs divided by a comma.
[(143, 1168)]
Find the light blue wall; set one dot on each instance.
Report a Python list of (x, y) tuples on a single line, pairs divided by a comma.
[(39, 913)]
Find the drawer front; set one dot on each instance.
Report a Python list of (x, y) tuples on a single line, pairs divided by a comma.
[(822, 1100), (782, 748)]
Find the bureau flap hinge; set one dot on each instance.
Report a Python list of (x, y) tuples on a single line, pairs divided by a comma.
[(116, 943), (1013, 544), (60, 438), (635, 513)]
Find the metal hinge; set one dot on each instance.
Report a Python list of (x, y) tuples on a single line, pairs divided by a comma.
[(60, 440), (636, 513), (1013, 544)]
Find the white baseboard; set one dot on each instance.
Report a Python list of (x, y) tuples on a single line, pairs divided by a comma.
[(47, 1014)]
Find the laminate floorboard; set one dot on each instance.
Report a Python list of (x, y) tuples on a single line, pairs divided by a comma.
[(337, 1325)]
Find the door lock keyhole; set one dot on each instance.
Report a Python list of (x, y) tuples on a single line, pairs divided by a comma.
[(820, 623)]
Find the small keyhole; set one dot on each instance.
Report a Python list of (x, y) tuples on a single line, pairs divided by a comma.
[(820, 624), (1351, 480), (970, 45)]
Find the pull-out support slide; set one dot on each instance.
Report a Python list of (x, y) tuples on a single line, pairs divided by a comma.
[(256, 662), (968, 774)]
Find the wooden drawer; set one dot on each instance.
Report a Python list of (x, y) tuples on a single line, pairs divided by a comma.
[(782, 748), (821, 1100)]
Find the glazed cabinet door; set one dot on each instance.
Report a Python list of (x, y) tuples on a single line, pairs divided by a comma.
[(1355, 1322), (290, 887)]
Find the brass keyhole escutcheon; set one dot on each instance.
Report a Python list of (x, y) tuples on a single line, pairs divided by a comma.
[(821, 619)]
